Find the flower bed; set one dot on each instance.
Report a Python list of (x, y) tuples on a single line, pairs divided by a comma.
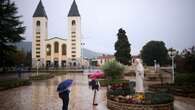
[(124, 97), (113, 105)]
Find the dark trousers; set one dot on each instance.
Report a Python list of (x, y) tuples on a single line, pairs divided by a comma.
[(65, 104), (65, 98)]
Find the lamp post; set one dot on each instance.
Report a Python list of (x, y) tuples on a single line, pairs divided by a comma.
[(37, 67), (82, 57), (155, 65), (172, 53)]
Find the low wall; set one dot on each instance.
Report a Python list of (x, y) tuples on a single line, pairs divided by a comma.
[(113, 105)]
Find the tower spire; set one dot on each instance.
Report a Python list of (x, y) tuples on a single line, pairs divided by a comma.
[(40, 11), (73, 10)]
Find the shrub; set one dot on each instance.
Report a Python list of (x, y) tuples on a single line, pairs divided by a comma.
[(113, 70), (158, 98), (185, 78)]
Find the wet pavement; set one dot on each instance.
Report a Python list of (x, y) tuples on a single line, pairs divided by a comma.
[(42, 95)]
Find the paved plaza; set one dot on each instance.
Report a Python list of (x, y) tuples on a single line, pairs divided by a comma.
[(42, 95)]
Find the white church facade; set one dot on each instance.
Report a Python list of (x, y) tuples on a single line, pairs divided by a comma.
[(56, 52)]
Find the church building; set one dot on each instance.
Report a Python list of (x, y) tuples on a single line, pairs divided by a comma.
[(56, 52)]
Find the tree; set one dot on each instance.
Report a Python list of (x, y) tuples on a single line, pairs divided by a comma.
[(154, 50), (122, 47), (185, 62), (10, 31)]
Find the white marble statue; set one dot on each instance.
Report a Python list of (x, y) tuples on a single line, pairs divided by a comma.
[(139, 70)]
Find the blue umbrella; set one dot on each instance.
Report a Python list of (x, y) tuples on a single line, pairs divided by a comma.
[(64, 85)]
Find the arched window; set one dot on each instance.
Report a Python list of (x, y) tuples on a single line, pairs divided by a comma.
[(73, 22), (56, 47), (63, 49), (48, 49), (38, 23)]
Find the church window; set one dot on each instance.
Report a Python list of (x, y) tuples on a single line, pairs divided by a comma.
[(73, 22), (56, 47), (63, 49), (38, 23), (48, 49)]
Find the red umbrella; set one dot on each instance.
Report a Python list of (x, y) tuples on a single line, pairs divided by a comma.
[(96, 74)]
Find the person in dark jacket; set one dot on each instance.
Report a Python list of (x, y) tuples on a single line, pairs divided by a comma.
[(95, 86), (65, 98)]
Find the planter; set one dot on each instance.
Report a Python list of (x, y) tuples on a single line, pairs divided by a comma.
[(113, 105)]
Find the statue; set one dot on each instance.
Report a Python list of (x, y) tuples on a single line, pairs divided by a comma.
[(139, 70)]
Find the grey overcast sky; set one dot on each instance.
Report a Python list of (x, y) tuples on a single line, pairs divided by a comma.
[(172, 21)]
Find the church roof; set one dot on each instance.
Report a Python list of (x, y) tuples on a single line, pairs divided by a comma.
[(54, 38), (73, 10), (40, 11)]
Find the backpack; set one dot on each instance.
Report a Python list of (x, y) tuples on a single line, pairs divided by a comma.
[(94, 84)]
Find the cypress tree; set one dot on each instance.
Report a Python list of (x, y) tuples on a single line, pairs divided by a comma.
[(122, 47), (10, 31)]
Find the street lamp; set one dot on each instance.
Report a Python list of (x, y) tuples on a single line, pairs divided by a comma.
[(82, 51), (155, 65), (172, 53), (37, 67)]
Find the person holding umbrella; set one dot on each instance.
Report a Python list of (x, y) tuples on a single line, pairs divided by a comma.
[(64, 90), (95, 85)]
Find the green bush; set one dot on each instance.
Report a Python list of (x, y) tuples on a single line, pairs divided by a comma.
[(158, 98), (182, 78), (113, 70)]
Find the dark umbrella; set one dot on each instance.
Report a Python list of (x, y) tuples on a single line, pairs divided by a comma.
[(64, 85)]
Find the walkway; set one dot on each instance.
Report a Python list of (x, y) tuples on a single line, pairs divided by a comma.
[(42, 95)]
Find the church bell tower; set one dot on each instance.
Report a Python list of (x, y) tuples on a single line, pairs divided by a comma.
[(74, 32), (40, 33)]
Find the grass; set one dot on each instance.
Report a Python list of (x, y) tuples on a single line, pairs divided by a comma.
[(13, 83), (42, 76), (58, 73)]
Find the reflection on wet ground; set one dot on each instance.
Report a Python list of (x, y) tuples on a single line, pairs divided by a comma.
[(42, 95)]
